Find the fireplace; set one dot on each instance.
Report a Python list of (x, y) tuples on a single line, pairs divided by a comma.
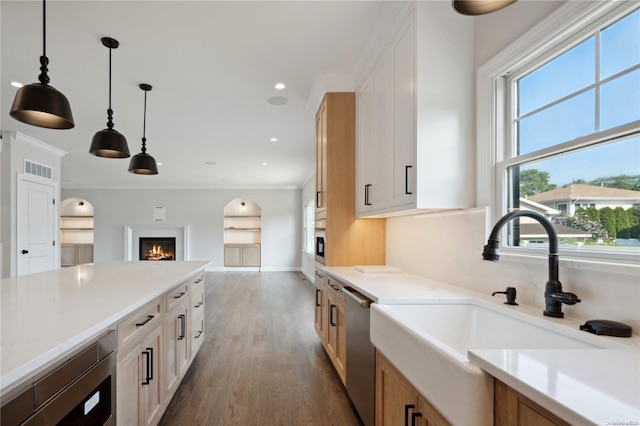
[(155, 248)]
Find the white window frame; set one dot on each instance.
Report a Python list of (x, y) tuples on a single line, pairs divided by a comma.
[(568, 20)]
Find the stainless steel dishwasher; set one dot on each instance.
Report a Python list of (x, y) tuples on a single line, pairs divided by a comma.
[(361, 356)]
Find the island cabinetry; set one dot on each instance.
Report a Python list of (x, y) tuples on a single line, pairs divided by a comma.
[(398, 402), (139, 383), (514, 409), (176, 339), (196, 308), (415, 116)]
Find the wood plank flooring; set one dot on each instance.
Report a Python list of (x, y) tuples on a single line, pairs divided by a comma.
[(261, 362)]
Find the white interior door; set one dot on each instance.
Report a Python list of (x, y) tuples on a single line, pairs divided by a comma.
[(35, 227)]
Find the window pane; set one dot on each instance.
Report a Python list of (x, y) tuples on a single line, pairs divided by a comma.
[(620, 45), (563, 122), (572, 71), (592, 196), (620, 101)]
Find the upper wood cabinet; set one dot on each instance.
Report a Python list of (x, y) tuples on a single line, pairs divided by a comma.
[(348, 240), (415, 117)]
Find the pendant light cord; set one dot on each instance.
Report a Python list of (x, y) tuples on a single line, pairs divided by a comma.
[(110, 111), (43, 77), (144, 125)]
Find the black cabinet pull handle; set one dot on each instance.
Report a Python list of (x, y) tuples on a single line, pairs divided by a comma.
[(367, 202), (182, 319), (182, 293), (406, 180), (151, 362), (407, 407), (198, 280), (317, 292), (147, 379), (149, 318), (331, 321), (199, 334), (25, 251), (318, 194), (198, 305), (414, 416)]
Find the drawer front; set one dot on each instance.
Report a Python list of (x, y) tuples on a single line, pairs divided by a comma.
[(198, 279), (334, 288), (177, 295), (137, 324), (197, 300)]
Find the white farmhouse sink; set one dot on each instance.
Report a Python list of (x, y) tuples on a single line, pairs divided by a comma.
[(428, 343)]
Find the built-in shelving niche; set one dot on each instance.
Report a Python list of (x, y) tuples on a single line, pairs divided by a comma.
[(242, 233), (76, 232)]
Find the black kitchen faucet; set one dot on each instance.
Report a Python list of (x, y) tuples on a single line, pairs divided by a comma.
[(554, 297)]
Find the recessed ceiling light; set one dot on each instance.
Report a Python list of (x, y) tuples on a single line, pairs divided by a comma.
[(274, 139), (16, 84), (264, 164), (277, 100), (210, 163), (279, 86)]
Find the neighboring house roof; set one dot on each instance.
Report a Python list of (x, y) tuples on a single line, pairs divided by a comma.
[(527, 204), (581, 191), (535, 229)]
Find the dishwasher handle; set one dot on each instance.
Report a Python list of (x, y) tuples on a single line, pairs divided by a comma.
[(361, 299)]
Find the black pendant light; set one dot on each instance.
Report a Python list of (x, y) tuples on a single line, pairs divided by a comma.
[(480, 7), (109, 143), (143, 163), (39, 104)]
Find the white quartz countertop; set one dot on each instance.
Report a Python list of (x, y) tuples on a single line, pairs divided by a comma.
[(586, 386), (46, 315)]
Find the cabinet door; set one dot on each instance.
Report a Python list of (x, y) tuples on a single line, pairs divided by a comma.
[(382, 145), (176, 359), (404, 116), (251, 255), (427, 415), (513, 408), (364, 146), (396, 399), (321, 159), (151, 373), (336, 336), (67, 255), (319, 312), (232, 255), (84, 253), (197, 332), (129, 392)]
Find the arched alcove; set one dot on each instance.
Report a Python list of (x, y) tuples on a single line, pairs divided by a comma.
[(242, 233), (76, 232)]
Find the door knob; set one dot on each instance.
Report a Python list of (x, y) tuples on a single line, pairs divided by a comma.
[(25, 251)]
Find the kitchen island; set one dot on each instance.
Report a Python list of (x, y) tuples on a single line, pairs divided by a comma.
[(49, 315)]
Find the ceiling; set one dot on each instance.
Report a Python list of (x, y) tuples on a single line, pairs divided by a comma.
[(213, 66)]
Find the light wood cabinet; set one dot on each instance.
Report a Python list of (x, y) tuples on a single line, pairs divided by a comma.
[(415, 118), (242, 255), (348, 241), (139, 389), (398, 402), (76, 254), (320, 322), (156, 345), (514, 409)]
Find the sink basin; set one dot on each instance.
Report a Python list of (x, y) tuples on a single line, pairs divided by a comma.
[(428, 344)]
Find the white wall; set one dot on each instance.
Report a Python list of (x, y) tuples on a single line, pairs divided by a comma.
[(203, 211), (308, 261), (447, 246)]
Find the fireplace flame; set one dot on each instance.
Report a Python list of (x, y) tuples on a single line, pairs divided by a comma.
[(157, 253)]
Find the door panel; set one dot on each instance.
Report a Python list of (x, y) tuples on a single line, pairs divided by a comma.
[(36, 227)]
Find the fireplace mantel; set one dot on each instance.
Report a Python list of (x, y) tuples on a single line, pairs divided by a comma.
[(132, 234)]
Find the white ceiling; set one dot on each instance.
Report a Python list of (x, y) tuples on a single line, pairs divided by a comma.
[(212, 65)]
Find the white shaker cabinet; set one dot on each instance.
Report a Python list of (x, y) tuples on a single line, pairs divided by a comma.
[(415, 141)]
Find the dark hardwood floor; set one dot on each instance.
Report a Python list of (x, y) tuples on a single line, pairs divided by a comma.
[(261, 362)]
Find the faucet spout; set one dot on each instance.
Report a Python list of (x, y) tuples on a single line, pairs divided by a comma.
[(554, 296)]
